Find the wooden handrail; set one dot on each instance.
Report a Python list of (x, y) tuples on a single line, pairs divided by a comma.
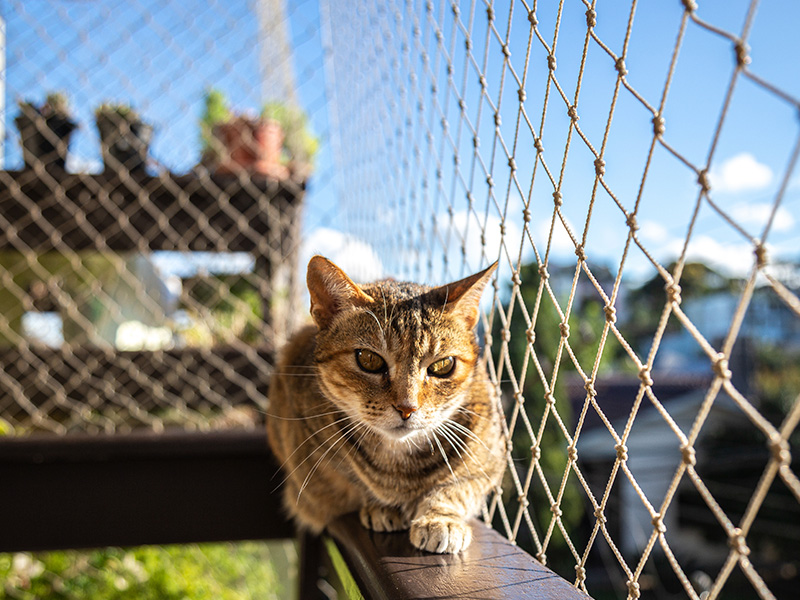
[(387, 567)]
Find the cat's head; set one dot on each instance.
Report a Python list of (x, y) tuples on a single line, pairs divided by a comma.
[(397, 357)]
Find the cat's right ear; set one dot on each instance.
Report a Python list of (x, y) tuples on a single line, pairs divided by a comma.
[(331, 291)]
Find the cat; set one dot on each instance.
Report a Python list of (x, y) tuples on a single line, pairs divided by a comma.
[(383, 407)]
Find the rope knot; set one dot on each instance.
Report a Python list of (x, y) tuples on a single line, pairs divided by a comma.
[(589, 387), (536, 452), (598, 513), (580, 573), (512, 164), (720, 366), (622, 452), (530, 334), (549, 399), (702, 179), (591, 18), (631, 222), (580, 253), (558, 199), (644, 376), (490, 181), (490, 13), (761, 256), (572, 453), (738, 542), (498, 120), (742, 53), (551, 62), (690, 5), (572, 112), (482, 82), (611, 313), (516, 279), (620, 66), (526, 215), (658, 523), (523, 501), (689, 455), (556, 510), (532, 18), (780, 451), (659, 125), (543, 272), (522, 95), (600, 167), (537, 143), (633, 589), (564, 327), (673, 293), (506, 51)]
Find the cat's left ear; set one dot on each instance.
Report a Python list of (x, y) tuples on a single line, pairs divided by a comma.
[(331, 291), (462, 298)]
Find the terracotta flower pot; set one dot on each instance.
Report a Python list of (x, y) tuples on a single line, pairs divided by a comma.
[(252, 146)]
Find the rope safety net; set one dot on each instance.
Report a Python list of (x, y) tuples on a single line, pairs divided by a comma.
[(632, 166)]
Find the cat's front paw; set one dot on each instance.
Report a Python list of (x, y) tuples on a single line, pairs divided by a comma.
[(383, 518), (440, 534)]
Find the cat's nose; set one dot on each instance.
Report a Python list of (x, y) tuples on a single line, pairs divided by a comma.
[(405, 409)]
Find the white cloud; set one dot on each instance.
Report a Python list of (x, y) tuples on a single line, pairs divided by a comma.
[(560, 244), (480, 236), (757, 214), (354, 256), (739, 173), (653, 232), (732, 259)]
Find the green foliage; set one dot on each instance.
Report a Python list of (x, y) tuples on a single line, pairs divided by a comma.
[(215, 111), (202, 572), (117, 111), (55, 104), (300, 144)]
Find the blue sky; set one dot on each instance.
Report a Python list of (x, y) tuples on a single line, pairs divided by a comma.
[(162, 56)]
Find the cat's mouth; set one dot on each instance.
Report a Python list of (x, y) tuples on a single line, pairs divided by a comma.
[(404, 430)]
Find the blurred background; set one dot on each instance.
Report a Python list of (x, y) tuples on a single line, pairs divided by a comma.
[(170, 167)]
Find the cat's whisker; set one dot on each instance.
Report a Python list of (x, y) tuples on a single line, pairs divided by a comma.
[(466, 448), (468, 411), (306, 418), (374, 316), (444, 455), (430, 443), (343, 434), (452, 439), (355, 445), (468, 432), (301, 444)]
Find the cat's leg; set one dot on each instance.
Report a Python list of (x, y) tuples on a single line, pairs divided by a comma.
[(440, 521), (383, 518)]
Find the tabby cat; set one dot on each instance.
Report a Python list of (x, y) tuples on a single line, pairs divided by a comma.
[(383, 407)]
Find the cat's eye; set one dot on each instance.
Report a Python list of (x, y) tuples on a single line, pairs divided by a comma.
[(369, 361), (442, 367)]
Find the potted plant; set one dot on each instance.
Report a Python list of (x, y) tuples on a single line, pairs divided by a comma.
[(299, 144), (124, 137), (45, 131), (268, 144)]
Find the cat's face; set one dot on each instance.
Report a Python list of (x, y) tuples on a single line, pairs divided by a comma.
[(397, 358)]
